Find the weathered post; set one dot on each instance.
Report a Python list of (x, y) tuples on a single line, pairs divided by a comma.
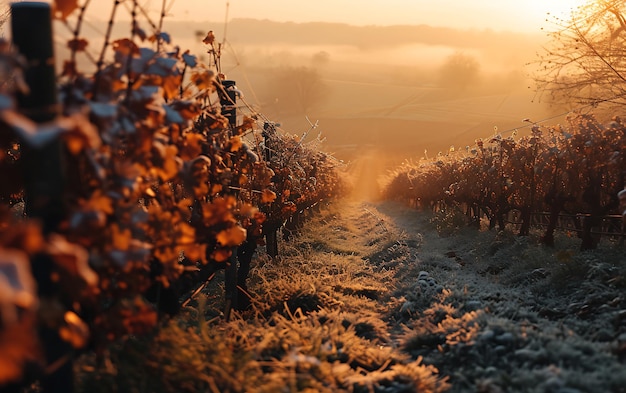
[(271, 235), (31, 25), (230, 284), (228, 102), (269, 130)]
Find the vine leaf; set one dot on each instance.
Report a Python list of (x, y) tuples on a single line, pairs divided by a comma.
[(235, 143), (268, 196), (74, 331), (221, 255), (73, 258), (61, 9), (210, 38), (232, 236), (190, 59), (77, 44), (76, 129), (204, 79), (16, 283), (121, 238)]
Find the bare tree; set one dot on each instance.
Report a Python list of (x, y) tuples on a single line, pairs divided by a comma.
[(585, 61), (320, 59), (459, 71), (296, 90)]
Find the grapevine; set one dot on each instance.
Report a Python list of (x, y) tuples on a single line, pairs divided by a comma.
[(161, 182), (576, 168)]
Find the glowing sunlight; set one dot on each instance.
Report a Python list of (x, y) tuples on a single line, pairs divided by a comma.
[(511, 15)]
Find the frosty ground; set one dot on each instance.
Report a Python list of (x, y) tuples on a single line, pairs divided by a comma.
[(369, 297), (513, 315)]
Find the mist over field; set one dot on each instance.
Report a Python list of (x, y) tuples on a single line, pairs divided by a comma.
[(393, 90), (385, 88), (382, 95)]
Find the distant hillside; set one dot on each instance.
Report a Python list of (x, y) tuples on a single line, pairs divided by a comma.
[(265, 32), (505, 45), (254, 31)]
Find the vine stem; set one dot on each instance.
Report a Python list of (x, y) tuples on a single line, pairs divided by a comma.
[(145, 15), (79, 24), (129, 60), (76, 33), (162, 16), (182, 78), (107, 39)]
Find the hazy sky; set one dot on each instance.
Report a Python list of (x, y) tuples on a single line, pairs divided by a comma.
[(514, 15), (518, 15)]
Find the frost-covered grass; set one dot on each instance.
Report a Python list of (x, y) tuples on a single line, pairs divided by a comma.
[(318, 323), (510, 315), (370, 298)]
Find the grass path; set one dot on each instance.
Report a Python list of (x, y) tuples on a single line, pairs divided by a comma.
[(369, 298)]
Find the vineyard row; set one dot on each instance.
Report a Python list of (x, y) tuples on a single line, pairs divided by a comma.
[(123, 189), (577, 169)]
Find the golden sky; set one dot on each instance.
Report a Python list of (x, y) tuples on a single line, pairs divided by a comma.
[(512, 15), (516, 15)]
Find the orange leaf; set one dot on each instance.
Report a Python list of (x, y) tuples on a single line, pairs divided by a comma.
[(235, 143), (100, 202), (120, 237), (221, 255), (196, 252), (170, 164), (75, 331), (74, 144), (171, 86), (232, 236), (268, 196), (69, 68), (73, 258), (248, 210), (210, 38), (125, 46), (63, 8), (204, 79), (216, 188), (193, 146), (186, 233), (77, 44)]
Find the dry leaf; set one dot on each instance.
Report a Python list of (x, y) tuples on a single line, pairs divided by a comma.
[(235, 143), (74, 331), (221, 255), (232, 236), (268, 196), (77, 44), (61, 9)]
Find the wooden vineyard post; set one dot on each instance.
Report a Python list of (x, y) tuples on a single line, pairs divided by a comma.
[(32, 36), (271, 234), (228, 102), (271, 242), (43, 168), (230, 284)]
